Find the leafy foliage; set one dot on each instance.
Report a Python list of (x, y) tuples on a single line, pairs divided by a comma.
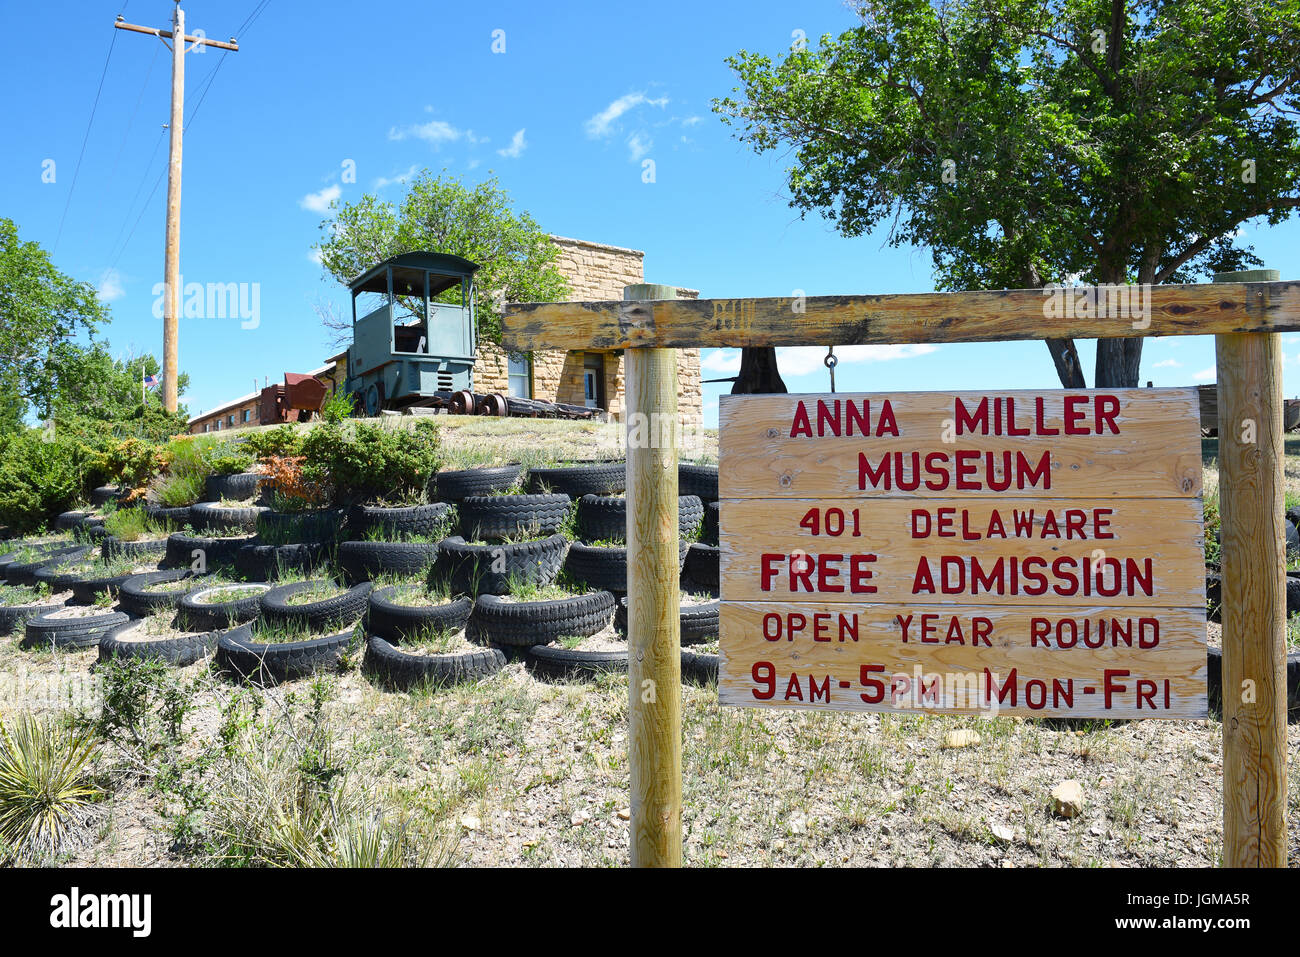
[(291, 490), (367, 461), (42, 311), (1111, 142), (39, 478), (516, 257)]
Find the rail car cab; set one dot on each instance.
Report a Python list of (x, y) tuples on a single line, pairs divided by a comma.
[(413, 330)]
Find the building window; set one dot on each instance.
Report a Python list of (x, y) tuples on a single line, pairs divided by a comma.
[(247, 414), (520, 384), (205, 426), (231, 421)]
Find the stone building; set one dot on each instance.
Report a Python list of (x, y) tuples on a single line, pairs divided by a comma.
[(593, 378)]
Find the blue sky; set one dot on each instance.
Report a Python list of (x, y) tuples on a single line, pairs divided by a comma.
[(583, 93)]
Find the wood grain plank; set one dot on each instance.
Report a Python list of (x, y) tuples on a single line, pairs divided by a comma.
[(1165, 532), (1157, 451), (980, 316), (1178, 658)]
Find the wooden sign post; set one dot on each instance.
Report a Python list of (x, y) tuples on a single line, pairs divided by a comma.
[(1033, 553), (654, 656), (1244, 315)]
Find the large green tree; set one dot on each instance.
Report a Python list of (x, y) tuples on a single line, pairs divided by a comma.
[(42, 312), (1029, 142), (516, 257)]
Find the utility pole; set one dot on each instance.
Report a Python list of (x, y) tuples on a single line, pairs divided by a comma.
[(172, 261)]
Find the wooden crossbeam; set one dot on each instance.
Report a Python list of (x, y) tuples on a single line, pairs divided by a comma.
[(934, 317)]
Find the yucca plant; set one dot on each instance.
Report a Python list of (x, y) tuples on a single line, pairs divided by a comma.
[(46, 787)]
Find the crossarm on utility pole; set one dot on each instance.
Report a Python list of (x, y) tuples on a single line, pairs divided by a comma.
[(167, 35)]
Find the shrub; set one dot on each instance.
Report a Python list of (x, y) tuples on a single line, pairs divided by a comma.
[(290, 490), (337, 408), (132, 524), (130, 463), (370, 462), (185, 467), (230, 458), (46, 788), (39, 478), (282, 441)]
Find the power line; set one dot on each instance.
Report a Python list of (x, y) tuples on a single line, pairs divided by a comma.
[(86, 138)]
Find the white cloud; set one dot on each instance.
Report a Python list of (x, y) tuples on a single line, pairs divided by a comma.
[(721, 360), (1168, 364), (602, 124), (691, 121), (638, 145), (801, 360), (1205, 375), (320, 202), (516, 148), (110, 285), (399, 178), (436, 132), (314, 255)]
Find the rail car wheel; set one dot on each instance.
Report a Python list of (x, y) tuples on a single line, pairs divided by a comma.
[(373, 401), (494, 404), (462, 403)]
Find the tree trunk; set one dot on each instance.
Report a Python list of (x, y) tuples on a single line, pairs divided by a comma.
[(1118, 363), (758, 372), (1066, 358)]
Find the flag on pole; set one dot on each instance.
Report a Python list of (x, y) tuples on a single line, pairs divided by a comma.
[(152, 381)]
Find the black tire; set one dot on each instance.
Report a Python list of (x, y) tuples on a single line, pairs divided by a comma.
[(400, 671), (698, 623), (342, 610), (603, 518), (363, 561), (199, 615), (710, 529), (699, 668), (179, 651), (85, 632), (469, 567), (207, 516), (555, 661), (701, 480), (70, 520), (426, 520), (104, 494), (239, 654), (136, 599), (85, 591), (1214, 681), (11, 616), (176, 516), (455, 486), (239, 487), (397, 623), (604, 567), (575, 481), (702, 565), (112, 547), (490, 517), (217, 552), (526, 623), (321, 525), (24, 573), (258, 562)]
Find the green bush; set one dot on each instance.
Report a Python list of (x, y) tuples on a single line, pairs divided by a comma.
[(369, 462), (284, 440), (39, 478), (185, 469), (230, 458)]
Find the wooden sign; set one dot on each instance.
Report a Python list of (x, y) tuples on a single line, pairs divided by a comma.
[(1036, 553)]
